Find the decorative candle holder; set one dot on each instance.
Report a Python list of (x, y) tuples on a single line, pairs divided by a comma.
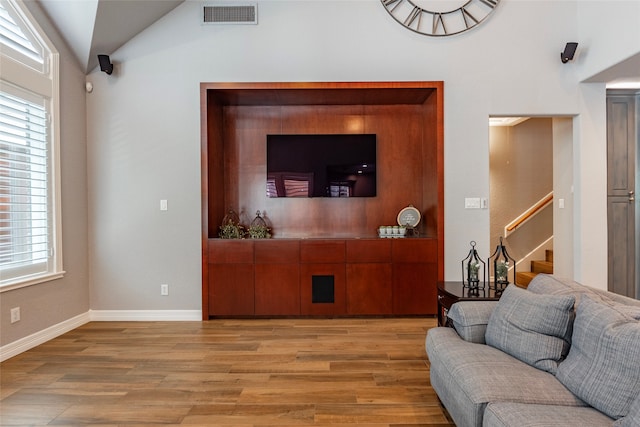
[(472, 268), (501, 263)]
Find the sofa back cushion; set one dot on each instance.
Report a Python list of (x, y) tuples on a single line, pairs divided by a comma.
[(549, 284), (603, 365), (532, 328)]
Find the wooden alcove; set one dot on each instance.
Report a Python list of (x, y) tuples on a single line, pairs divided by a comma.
[(407, 118)]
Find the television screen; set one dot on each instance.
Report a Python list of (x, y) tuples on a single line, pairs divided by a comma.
[(330, 165)]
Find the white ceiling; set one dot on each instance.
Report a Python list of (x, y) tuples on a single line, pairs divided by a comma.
[(92, 27)]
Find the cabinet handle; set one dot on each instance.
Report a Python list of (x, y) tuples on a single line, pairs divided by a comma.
[(631, 196)]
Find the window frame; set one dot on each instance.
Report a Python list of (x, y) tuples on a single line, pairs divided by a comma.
[(42, 81)]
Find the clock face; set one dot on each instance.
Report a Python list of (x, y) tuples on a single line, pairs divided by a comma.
[(440, 17)]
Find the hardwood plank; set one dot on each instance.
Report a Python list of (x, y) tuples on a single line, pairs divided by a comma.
[(227, 372)]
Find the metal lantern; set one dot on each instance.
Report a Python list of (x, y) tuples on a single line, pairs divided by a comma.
[(500, 264), (472, 268), (258, 228)]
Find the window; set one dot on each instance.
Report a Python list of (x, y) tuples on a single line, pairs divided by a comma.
[(30, 249)]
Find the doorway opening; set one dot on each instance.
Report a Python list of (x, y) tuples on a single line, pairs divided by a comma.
[(531, 197)]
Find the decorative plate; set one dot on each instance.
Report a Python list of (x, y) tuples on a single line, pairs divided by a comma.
[(409, 216)]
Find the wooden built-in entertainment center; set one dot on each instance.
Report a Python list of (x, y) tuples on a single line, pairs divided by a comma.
[(325, 258)]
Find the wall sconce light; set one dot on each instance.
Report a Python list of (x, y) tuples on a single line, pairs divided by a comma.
[(105, 64), (569, 51)]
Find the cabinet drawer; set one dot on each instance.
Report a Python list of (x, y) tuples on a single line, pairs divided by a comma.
[(226, 251), (322, 251), (270, 251), (414, 250), (368, 250)]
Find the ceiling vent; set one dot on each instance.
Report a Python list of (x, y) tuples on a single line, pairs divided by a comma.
[(230, 13)]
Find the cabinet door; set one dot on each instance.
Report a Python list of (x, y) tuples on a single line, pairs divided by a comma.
[(369, 289), (231, 289), (415, 288), (277, 289), (277, 277), (315, 281)]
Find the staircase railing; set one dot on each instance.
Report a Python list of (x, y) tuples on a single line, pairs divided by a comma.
[(528, 214)]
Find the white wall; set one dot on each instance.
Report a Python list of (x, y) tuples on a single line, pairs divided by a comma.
[(45, 305), (608, 33), (563, 190), (144, 124), (146, 147)]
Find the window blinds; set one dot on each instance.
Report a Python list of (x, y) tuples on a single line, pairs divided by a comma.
[(21, 42), (25, 227)]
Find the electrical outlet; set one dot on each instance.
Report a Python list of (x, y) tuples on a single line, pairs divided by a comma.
[(164, 289), (15, 314)]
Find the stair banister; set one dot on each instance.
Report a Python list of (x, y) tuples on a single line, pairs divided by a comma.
[(528, 214)]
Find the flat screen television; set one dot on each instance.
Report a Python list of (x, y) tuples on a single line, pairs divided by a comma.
[(321, 165)]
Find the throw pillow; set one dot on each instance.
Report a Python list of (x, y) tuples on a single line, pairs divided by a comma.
[(533, 328), (603, 365)]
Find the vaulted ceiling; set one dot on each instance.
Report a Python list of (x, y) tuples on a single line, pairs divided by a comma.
[(92, 27)]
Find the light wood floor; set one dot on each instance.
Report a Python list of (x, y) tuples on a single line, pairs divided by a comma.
[(242, 373)]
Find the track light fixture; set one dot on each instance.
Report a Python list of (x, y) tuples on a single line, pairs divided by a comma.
[(569, 51), (105, 64)]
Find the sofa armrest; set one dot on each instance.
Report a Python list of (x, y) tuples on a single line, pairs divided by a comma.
[(470, 319)]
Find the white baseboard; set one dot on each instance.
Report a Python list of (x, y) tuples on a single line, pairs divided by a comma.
[(27, 343), (144, 315), (34, 340)]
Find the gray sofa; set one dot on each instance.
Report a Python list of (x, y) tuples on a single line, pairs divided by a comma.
[(556, 354)]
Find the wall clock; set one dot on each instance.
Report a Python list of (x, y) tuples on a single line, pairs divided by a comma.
[(440, 18)]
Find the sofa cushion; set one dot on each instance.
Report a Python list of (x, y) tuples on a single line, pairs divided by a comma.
[(470, 319), (508, 414), (466, 376), (603, 365), (533, 328), (632, 419), (549, 284)]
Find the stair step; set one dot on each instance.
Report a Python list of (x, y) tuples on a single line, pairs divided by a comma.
[(542, 267), (524, 278), (548, 255)]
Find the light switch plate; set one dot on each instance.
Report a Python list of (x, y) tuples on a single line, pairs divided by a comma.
[(472, 203)]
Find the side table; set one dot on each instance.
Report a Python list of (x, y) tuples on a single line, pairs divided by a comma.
[(452, 292)]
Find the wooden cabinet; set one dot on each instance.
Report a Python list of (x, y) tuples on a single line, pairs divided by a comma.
[(231, 278), (415, 273), (277, 277), (322, 277), (414, 288), (369, 288), (367, 275)]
